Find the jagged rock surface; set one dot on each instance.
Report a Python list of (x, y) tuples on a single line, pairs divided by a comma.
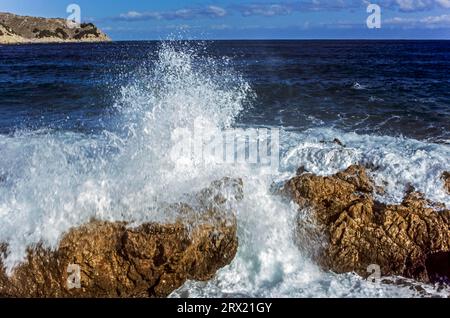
[(114, 260), (352, 230)]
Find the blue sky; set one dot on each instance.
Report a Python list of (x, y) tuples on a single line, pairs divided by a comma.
[(252, 19)]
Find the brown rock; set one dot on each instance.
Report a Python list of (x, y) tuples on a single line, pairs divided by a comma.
[(114, 260), (356, 231), (446, 178)]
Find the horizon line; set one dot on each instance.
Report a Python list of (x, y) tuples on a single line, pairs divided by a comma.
[(289, 39)]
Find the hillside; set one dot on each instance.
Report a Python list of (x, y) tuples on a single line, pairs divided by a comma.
[(15, 29)]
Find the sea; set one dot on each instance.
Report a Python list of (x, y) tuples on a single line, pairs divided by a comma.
[(93, 131)]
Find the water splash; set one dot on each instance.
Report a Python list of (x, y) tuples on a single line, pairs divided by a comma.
[(51, 181), (54, 181)]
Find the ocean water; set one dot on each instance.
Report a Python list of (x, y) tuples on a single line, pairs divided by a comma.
[(89, 130)]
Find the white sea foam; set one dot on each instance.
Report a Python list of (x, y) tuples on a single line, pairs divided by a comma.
[(358, 86), (269, 264), (51, 181), (397, 162)]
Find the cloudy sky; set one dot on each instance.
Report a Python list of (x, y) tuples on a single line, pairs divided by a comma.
[(252, 19)]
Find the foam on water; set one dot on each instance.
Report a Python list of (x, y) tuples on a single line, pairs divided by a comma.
[(51, 181), (358, 86), (269, 263), (396, 163)]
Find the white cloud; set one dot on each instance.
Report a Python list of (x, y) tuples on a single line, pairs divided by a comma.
[(267, 10), (217, 11), (444, 3), (414, 5), (136, 16), (445, 18), (441, 21), (211, 11), (286, 7), (282, 7)]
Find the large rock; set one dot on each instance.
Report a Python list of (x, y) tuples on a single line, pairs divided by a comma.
[(351, 230), (115, 260), (23, 29)]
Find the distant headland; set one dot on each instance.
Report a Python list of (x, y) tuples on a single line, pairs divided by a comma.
[(15, 29)]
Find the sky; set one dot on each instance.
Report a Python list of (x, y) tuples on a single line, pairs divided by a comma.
[(252, 19)]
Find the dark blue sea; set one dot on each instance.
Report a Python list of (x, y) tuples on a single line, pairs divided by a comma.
[(379, 87), (88, 131)]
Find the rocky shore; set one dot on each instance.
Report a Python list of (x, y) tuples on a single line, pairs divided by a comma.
[(15, 29), (112, 259), (340, 225), (345, 229)]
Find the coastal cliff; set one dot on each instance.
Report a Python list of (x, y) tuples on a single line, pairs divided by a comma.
[(15, 29)]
